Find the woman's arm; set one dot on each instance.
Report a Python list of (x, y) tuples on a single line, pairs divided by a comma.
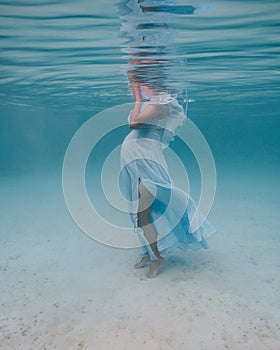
[(152, 111)]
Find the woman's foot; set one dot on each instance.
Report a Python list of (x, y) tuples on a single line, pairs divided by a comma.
[(154, 267), (145, 259)]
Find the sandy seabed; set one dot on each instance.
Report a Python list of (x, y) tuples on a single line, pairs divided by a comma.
[(62, 290)]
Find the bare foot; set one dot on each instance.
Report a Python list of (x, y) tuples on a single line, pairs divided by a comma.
[(142, 262), (154, 267)]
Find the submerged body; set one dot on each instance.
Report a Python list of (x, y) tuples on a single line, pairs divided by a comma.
[(153, 198)]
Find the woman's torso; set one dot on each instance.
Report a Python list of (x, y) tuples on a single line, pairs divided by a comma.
[(149, 140)]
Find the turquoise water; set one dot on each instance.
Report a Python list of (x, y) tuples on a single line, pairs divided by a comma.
[(67, 54), (63, 62)]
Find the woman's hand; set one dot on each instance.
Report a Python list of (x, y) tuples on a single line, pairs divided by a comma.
[(135, 86)]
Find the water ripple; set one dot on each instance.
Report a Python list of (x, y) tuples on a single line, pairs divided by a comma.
[(68, 53)]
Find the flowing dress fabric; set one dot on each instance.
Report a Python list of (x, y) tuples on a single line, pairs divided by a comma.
[(173, 212)]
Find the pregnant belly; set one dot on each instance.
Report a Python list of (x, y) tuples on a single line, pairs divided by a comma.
[(141, 148)]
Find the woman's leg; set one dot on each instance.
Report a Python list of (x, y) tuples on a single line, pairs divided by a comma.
[(144, 208)]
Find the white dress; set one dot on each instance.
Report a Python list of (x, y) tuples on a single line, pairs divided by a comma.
[(173, 211)]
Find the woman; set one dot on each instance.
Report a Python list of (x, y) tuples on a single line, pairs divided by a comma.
[(162, 214)]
